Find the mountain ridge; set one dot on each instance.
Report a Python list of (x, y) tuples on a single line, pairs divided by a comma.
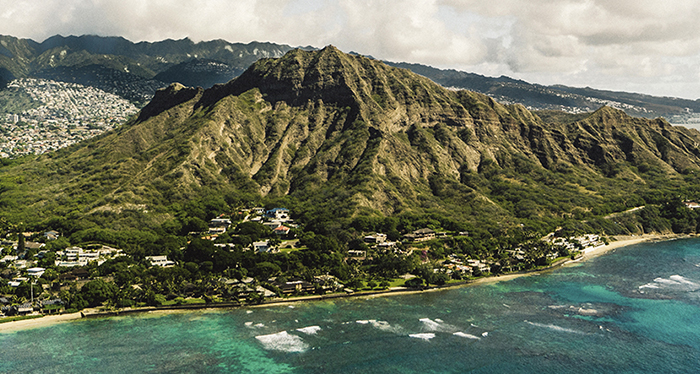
[(131, 70), (559, 97), (345, 136), (136, 70)]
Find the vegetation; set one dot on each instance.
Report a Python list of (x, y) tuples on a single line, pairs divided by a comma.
[(358, 149)]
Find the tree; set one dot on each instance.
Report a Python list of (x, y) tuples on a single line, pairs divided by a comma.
[(253, 230), (265, 270), (21, 245), (194, 224), (414, 282), (23, 290), (255, 297), (354, 283), (57, 245), (48, 260), (78, 302), (440, 278), (199, 250), (97, 291)]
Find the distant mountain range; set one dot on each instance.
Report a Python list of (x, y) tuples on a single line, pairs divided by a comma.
[(136, 70), (131, 70), (559, 97)]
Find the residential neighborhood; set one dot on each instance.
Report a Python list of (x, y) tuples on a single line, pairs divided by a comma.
[(59, 114), (40, 278)]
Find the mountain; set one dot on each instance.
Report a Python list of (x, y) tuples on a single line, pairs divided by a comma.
[(559, 97), (131, 70), (199, 73), (337, 137), (135, 70)]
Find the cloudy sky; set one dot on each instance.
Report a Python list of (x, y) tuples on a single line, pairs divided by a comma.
[(646, 46)]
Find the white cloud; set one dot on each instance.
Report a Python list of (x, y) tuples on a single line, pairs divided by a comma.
[(624, 44)]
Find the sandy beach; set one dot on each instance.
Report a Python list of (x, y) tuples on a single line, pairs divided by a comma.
[(589, 253), (38, 322)]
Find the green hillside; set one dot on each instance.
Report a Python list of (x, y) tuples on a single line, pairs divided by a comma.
[(343, 139), (460, 185)]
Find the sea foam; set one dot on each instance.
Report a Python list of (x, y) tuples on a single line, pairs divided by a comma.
[(311, 330), (556, 328), (424, 336), (674, 282), (431, 325), (283, 341), (385, 326), (465, 335), (380, 325)]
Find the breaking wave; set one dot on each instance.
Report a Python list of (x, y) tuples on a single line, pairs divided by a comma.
[(381, 325), (465, 335), (311, 330), (674, 282), (437, 325), (424, 336), (556, 328), (282, 341)]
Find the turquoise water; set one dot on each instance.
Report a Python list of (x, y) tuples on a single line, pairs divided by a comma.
[(636, 310)]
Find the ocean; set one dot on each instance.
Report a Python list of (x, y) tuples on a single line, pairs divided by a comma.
[(634, 310)]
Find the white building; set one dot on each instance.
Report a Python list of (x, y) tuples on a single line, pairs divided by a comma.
[(161, 261)]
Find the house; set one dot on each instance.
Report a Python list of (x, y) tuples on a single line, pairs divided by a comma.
[(8, 258), (328, 283), (51, 235), (484, 268), (281, 230), (278, 213), (262, 246), (376, 238), (421, 235), (52, 306), (424, 234), (272, 224), (33, 245), (68, 264), (265, 291), (161, 261), (259, 211), (386, 245), (74, 275), (70, 254), (296, 286), (25, 309), (216, 230), (76, 256), (12, 310), (35, 272), (229, 246), (220, 222), (358, 254)]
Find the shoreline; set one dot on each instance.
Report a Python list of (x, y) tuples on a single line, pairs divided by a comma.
[(589, 253)]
